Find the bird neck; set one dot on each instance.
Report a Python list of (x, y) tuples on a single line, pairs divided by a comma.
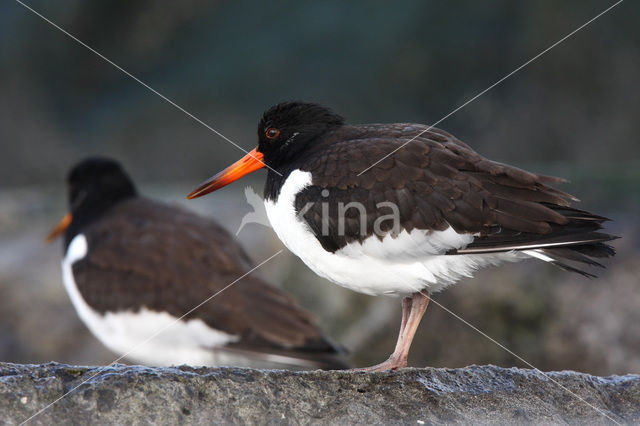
[(92, 210)]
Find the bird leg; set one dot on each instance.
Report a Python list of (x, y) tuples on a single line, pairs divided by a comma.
[(413, 308)]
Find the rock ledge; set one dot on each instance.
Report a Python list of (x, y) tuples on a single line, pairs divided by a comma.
[(476, 394)]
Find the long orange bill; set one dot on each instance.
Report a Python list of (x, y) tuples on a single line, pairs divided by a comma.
[(247, 164), (60, 227)]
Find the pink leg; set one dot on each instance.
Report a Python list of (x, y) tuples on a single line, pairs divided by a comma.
[(413, 308), (406, 311)]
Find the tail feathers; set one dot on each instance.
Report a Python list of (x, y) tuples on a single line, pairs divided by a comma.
[(578, 240), (577, 253), (596, 249), (559, 257), (571, 255)]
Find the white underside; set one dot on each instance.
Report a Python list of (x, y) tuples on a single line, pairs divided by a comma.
[(398, 266), (148, 337)]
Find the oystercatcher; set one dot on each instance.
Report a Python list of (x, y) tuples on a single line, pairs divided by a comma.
[(133, 266), (407, 224)]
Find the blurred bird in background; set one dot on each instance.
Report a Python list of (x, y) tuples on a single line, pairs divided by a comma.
[(135, 269)]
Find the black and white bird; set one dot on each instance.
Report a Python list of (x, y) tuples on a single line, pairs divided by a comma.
[(134, 266), (375, 214)]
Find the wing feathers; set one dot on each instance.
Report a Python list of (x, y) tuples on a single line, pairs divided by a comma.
[(576, 241), (438, 182)]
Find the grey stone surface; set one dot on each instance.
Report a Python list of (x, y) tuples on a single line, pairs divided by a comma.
[(477, 394)]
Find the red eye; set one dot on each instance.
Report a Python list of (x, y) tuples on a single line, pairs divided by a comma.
[(272, 133)]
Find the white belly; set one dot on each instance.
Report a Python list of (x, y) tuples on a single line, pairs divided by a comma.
[(149, 337), (394, 266)]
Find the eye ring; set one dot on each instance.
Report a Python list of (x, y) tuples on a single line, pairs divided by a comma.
[(272, 133)]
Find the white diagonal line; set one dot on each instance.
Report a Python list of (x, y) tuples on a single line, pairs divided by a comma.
[(523, 360), (150, 338), (141, 82), (494, 85)]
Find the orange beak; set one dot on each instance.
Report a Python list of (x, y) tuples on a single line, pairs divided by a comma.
[(247, 164), (60, 228)]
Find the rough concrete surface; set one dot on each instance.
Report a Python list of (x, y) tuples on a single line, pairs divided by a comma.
[(121, 394)]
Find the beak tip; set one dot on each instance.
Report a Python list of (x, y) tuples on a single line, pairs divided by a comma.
[(194, 194), (247, 164), (59, 229)]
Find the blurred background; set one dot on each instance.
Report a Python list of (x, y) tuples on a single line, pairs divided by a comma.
[(573, 113)]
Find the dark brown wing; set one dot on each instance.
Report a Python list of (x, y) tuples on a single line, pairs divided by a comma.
[(173, 261), (436, 181)]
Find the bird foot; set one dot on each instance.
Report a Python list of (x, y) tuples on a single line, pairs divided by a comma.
[(392, 363)]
